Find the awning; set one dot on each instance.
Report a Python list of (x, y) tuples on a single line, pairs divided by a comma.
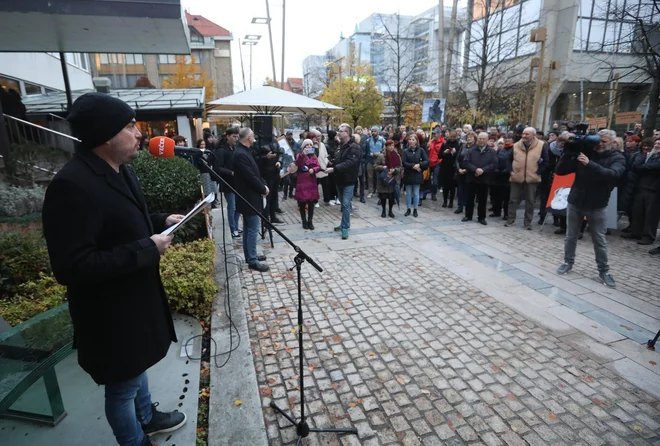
[(94, 26), (268, 101), (145, 101)]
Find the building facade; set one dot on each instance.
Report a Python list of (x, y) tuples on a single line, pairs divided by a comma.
[(210, 54), (588, 41)]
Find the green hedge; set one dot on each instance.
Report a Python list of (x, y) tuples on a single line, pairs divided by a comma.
[(168, 185), (23, 258), (20, 201), (187, 272)]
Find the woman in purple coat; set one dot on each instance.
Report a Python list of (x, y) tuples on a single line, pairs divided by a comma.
[(307, 189)]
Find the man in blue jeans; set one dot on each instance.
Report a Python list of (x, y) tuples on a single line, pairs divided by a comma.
[(596, 176), (224, 166), (345, 170), (105, 247), (248, 183)]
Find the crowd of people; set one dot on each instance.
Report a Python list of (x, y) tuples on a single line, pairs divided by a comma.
[(466, 168)]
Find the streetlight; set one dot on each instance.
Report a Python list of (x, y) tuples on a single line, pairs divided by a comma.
[(250, 43), (266, 21)]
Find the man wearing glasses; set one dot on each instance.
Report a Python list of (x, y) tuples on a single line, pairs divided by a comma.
[(345, 169)]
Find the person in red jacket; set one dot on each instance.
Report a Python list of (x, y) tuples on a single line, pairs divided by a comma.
[(435, 149)]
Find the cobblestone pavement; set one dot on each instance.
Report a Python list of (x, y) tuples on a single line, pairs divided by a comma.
[(405, 339)]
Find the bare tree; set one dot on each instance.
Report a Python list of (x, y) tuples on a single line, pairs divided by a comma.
[(639, 34), (397, 72), (493, 62)]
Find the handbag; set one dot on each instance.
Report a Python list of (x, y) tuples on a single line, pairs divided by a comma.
[(385, 179)]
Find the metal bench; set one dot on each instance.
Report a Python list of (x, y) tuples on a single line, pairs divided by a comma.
[(29, 352)]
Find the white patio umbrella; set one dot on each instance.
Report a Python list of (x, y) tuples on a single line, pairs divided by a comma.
[(269, 100)]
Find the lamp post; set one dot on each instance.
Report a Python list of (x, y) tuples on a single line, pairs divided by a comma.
[(266, 21), (250, 43)]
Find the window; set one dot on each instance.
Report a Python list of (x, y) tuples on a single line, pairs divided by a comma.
[(508, 44), (525, 47), (134, 59), (195, 37), (10, 84), (198, 56), (32, 88), (596, 35), (581, 34), (166, 59), (611, 41), (104, 59), (530, 11)]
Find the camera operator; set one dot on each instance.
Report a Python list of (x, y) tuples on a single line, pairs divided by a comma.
[(269, 156), (594, 180)]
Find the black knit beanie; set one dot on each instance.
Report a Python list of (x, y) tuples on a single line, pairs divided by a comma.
[(96, 118)]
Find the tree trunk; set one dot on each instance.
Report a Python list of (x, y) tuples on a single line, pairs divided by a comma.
[(5, 150), (654, 104)]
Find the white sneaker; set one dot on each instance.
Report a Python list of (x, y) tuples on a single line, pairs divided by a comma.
[(370, 195), (317, 205), (332, 203), (337, 202)]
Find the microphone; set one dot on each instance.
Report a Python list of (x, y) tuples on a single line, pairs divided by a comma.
[(164, 147)]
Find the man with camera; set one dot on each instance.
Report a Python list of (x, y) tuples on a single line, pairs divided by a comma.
[(597, 172)]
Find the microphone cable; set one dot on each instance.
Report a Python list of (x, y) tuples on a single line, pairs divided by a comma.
[(227, 303)]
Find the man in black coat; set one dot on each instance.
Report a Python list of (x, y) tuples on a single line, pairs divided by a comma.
[(595, 177), (345, 168), (105, 247), (480, 163), (248, 183), (224, 166)]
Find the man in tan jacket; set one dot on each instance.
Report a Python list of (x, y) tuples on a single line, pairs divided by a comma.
[(530, 157)]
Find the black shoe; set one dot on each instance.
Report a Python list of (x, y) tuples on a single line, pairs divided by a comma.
[(235, 234), (420, 203), (630, 236), (391, 214), (654, 251), (279, 211), (415, 213), (362, 200), (283, 197), (459, 210), (581, 235), (310, 225), (494, 215), (164, 421), (433, 198), (645, 241), (305, 225), (383, 214), (444, 205), (505, 217), (261, 258), (626, 229), (560, 231), (466, 219), (379, 201), (276, 221), (541, 219), (451, 204), (407, 213), (483, 221), (258, 266)]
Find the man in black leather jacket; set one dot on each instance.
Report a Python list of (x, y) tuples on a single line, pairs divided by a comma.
[(594, 180)]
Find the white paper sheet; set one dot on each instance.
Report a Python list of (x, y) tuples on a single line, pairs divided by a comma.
[(210, 198)]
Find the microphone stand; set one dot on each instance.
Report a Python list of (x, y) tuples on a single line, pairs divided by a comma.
[(302, 427)]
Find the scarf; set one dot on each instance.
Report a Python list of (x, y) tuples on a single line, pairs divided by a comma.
[(392, 159), (556, 149)]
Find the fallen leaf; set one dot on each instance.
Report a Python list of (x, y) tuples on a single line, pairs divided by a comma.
[(320, 299), (588, 379), (266, 391), (637, 428), (425, 392), (552, 415), (294, 330), (451, 425), (336, 338), (510, 396), (352, 405), (653, 363), (271, 380), (238, 403), (626, 327), (406, 326), (372, 354), (288, 350), (403, 380)]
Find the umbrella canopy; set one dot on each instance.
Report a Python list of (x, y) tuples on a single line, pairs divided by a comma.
[(269, 100)]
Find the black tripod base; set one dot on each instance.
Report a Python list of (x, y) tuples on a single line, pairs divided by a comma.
[(303, 429)]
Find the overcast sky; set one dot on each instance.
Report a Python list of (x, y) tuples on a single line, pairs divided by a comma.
[(312, 27)]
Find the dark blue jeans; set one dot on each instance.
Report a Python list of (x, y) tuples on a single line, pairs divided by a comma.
[(250, 235), (232, 215), (127, 404), (435, 185), (346, 196)]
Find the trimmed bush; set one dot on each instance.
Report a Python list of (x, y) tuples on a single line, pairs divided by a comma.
[(169, 185), (188, 274), (23, 258), (32, 298), (20, 201)]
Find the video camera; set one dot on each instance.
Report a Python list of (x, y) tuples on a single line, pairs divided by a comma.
[(582, 142)]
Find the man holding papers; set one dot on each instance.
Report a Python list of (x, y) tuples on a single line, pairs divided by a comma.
[(105, 246)]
